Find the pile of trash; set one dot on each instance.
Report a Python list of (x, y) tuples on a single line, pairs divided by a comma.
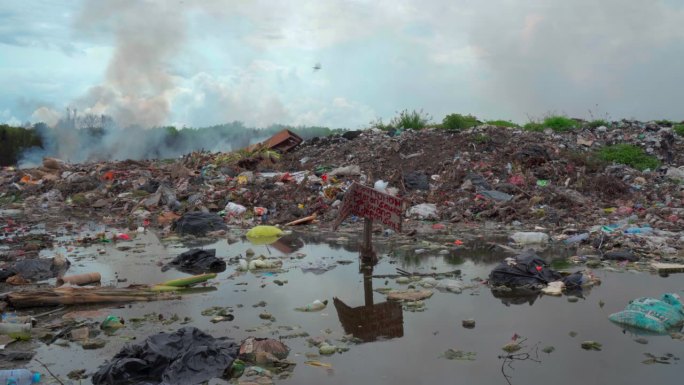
[(530, 273), (486, 174), (190, 356)]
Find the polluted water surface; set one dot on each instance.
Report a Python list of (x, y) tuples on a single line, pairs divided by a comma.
[(370, 340)]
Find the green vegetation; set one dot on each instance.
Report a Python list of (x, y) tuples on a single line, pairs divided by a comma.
[(503, 123), (405, 120), (411, 120), (454, 122), (482, 138), (592, 161), (14, 140), (664, 122), (557, 123), (533, 126), (630, 155), (80, 199), (598, 123), (379, 125), (678, 129)]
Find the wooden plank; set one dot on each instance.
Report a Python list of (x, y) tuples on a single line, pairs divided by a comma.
[(668, 267)]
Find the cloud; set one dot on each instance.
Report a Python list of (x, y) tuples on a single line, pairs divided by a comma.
[(8, 118), (46, 115), (200, 62), (261, 94), (573, 55), (43, 24)]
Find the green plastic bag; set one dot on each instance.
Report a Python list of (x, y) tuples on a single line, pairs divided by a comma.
[(654, 315)]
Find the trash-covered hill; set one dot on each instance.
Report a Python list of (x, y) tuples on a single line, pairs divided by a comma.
[(495, 174), (558, 181)]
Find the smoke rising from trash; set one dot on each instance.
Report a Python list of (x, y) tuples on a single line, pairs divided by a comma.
[(124, 117), (90, 138), (138, 84)]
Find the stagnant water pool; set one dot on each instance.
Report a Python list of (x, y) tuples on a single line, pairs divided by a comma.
[(400, 346)]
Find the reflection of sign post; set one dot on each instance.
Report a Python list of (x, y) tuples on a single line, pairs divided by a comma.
[(371, 321), (371, 205), (368, 323)]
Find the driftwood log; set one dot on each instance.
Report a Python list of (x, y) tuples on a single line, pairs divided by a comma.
[(84, 295)]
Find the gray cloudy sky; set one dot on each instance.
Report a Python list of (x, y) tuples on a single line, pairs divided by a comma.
[(203, 62)]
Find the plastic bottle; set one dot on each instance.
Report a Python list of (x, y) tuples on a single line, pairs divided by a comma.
[(638, 230), (18, 377), (526, 238), (13, 318), (15, 330), (314, 306)]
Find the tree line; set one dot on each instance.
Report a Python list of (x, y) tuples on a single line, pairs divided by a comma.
[(14, 140), (163, 141)]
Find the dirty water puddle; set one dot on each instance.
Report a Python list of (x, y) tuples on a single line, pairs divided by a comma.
[(420, 340)]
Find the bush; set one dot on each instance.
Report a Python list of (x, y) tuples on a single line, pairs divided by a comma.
[(378, 124), (453, 122), (557, 123), (598, 123), (533, 126), (413, 120), (503, 123), (678, 129), (664, 122), (630, 155)]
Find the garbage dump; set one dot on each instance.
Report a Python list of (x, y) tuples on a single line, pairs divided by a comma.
[(116, 234)]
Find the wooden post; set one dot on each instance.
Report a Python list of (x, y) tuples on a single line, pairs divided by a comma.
[(367, 253), (368, 284)]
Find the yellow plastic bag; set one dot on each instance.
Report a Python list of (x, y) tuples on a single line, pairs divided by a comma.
[(264, 232), (262, 240)]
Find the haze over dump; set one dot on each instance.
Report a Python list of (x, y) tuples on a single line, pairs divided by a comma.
[(201, 63)]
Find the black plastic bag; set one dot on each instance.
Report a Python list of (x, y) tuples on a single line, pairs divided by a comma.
[(185, 357), (197, 261), (523, 270), (199, 223), (36, 269)]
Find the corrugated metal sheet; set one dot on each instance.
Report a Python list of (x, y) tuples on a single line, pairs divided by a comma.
[(283, 141)]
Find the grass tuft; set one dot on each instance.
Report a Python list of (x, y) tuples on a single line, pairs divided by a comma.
[(630, 155), (598, 123), (503, 123), (411, 120), (455, 122), (678, 129)]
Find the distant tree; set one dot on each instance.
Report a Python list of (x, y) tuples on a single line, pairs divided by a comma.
[(14, 140)]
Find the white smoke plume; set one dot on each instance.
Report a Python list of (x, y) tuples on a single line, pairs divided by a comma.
[(138, 85)]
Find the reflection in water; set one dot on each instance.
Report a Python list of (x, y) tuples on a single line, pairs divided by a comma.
[(522, 295), (516, 297), (288, 244), (371, 322)]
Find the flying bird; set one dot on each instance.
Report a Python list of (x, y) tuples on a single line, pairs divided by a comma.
[(317, 67)]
